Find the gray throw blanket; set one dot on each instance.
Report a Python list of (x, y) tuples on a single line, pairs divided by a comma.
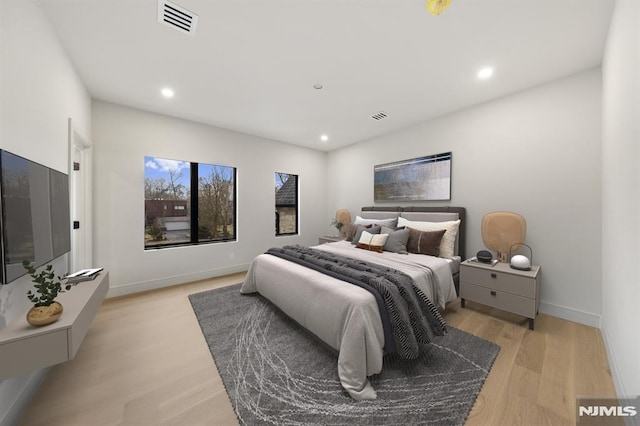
[(409, 318)]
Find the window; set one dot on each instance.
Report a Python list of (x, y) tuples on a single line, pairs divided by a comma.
[(286, 203), (175, 214), (216, 203)]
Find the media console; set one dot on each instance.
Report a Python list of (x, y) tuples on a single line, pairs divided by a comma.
[(24, 348)]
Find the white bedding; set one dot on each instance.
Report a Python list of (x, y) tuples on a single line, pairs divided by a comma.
[(343, 315)]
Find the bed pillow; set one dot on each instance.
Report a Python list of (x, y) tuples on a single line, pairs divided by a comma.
[(361, 228), (448, 243), (390, 222), (397, 240), (351, 231), (372, 242), (425, 242)]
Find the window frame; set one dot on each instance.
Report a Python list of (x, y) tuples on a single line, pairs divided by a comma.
[(192, 201), (296, 231)]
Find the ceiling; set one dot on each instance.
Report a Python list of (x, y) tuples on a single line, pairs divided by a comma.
[(251, 65)]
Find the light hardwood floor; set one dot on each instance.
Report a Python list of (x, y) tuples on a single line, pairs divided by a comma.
[(145, 362)]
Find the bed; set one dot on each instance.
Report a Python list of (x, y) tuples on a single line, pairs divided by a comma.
[(347, 317)]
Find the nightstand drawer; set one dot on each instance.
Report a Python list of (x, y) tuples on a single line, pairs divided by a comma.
[(503, 281), (498, 299)]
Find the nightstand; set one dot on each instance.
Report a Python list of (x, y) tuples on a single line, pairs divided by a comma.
[(501, 287), (329, 239)]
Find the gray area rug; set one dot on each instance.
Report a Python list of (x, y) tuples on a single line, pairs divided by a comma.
[(275, 372)]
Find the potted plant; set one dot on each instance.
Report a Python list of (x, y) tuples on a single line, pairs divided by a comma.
[(45, 309), (335, 222)]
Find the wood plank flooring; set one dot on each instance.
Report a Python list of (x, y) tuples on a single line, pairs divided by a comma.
[(145, 362)]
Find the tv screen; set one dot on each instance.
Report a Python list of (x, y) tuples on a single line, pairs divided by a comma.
[(60, 213), (36, 221)]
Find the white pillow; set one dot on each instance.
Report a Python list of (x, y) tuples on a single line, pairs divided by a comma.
[(373, 239), (391, 222), (448, 243)]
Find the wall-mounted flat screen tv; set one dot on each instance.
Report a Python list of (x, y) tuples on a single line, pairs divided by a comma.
[(36, 220)]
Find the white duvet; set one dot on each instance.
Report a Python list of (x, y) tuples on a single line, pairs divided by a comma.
[(343, 315)]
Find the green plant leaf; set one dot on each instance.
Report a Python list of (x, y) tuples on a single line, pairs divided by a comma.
[(47, 285)]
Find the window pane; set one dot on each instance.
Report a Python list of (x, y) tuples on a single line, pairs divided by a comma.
[(167, 187), (286, 203), (216, 203)]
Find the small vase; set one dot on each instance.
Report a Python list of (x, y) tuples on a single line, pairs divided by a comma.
[(43, 315)]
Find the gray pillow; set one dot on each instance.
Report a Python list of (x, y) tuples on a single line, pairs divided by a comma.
[(370, 229), (397, 241), (389, 222)]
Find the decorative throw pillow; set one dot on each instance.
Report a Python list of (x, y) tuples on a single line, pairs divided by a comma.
[(352, 230), (390, 222), (397, 240), (372, 242), (448, 243), (425, 242), (361, 228)]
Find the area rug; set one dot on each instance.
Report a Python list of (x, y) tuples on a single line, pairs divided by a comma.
[(275, 372)]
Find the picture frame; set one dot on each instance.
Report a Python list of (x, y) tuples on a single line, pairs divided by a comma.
[(425, 178)]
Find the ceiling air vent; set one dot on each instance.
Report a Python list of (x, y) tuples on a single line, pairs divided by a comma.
[(379, 116), (177, 17)]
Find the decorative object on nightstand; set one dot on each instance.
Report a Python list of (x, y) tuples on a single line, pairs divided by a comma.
[(484, 256), (519, 261), (336, 224), (501, 287), (501, 230), (341, 221)]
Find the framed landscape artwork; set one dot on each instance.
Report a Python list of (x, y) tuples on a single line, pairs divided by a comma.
[(417, 179)]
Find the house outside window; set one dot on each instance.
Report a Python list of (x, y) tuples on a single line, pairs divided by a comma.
[(177, 215), (286, 203)]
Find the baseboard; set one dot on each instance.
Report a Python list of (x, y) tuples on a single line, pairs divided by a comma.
[(24, 396), (131, 288), (571, 314), (613, 364)]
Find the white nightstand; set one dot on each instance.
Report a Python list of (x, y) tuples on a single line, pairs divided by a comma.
[(502, 287)]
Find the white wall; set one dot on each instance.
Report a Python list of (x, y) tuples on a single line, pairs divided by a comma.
[(123, 136), (39, 91), (536, 153), (621, 196)]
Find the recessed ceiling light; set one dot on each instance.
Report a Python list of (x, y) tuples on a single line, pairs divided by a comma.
[(485, 73), (318, 86), (167, 92), (324, 138)]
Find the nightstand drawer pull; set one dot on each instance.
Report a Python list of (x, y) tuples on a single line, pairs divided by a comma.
[(493, 293), (493, 275)]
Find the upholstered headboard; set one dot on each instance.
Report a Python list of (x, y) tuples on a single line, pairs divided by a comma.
[(440, 214)]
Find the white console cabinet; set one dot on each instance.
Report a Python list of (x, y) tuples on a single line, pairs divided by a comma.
[(24, 348)]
